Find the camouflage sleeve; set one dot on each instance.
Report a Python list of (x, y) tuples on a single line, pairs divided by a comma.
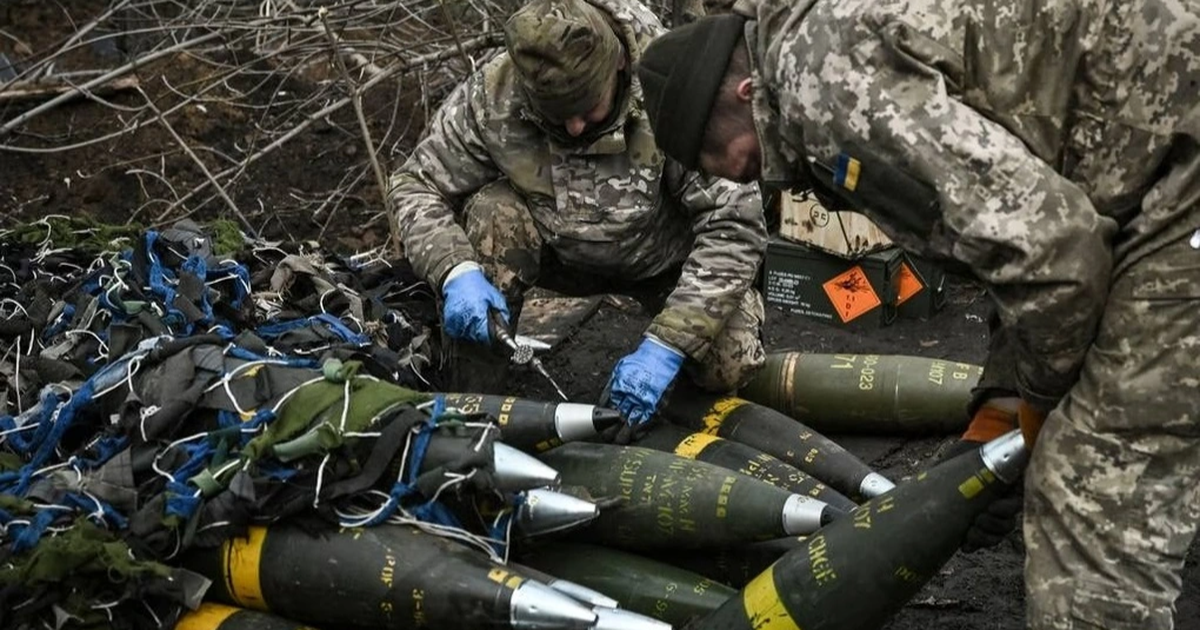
[(450, 162), (730, 238), (973, 188)]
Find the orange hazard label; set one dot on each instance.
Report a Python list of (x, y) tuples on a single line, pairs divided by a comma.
[(910, 284), (851, 293)]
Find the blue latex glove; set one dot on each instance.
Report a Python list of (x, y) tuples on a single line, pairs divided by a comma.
[(640, 379), (469, 295)]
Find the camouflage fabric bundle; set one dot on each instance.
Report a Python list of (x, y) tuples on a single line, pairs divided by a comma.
[(166, 396)]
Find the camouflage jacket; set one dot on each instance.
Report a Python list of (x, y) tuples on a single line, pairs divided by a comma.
[(615, 207), (1024, 139)]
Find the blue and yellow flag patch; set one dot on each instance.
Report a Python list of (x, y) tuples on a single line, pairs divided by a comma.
[(846, 174)]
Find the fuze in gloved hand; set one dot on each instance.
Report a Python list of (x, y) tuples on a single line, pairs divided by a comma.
[(993, 419), (640, 379), (468, 296)]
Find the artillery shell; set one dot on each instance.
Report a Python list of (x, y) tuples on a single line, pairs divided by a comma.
[(512, 470), (534, 426), (669, 438), (618, 619), (546, 511), (767, 430), (867, 393), (668, 501), (385, 576), (588, 596), (210, 616), (642, 585), (856, 574)]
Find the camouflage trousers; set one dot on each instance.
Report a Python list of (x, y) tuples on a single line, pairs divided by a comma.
[(1113, 487), (514, 256)]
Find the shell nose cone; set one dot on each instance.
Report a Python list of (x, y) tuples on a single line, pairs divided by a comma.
[(874, 485), (517, 471), (805, 515), (546, 511), (535, 606)]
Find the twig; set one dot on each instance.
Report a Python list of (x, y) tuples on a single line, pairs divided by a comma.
[(481, 41), (363, 62), (356, 101), (450, 22), (8, 127), (89, 26), (195, 158), (32, 90)]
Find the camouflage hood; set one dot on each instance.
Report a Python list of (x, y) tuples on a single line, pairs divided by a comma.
[(565, 52)]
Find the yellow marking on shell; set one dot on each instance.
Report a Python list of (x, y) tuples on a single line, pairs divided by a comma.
[(241, 568), (764, 608), (694, 444), (208, 616), (719, 411)]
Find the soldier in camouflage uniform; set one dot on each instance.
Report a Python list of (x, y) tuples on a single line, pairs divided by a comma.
[(1054, 148), (546, 157)]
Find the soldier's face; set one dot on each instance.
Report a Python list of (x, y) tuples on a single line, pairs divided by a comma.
[(578, 125), (731, 147), (740, 161), (583, 122)]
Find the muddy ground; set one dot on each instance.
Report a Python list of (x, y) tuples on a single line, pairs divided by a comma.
[(981, 591)]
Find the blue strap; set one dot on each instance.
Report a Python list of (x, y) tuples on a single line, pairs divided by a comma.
[(89, 504), (159, 286), (30, 534), (105, 449), (498, 532), (237, 271), (335, 325), (60, 323), (66, 415), (238, 352)]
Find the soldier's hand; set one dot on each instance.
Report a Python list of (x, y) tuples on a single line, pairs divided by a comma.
[(469, 296), (640, 379), (993, 419)]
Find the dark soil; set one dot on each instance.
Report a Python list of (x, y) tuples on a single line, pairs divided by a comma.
[(982, 590)]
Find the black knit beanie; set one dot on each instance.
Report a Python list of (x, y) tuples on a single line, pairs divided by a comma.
[(681, 72)]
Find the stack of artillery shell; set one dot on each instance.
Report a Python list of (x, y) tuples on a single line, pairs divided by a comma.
[(640, 584), (739, 420), (847, 393), (534, 426), (855, 574), (390, 576), (663, 501), (210, 616), (669, 438)]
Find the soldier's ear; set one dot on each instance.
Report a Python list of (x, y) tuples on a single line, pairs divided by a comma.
[(745, 89)]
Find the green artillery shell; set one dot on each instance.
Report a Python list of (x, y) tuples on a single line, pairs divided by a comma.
[(672, 502), (389, 576), (210, 616), (512, 470), (642, 585), (733, 566), (767, 430), (669, 438), (867, 393), (534, 426), (855, 574)]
